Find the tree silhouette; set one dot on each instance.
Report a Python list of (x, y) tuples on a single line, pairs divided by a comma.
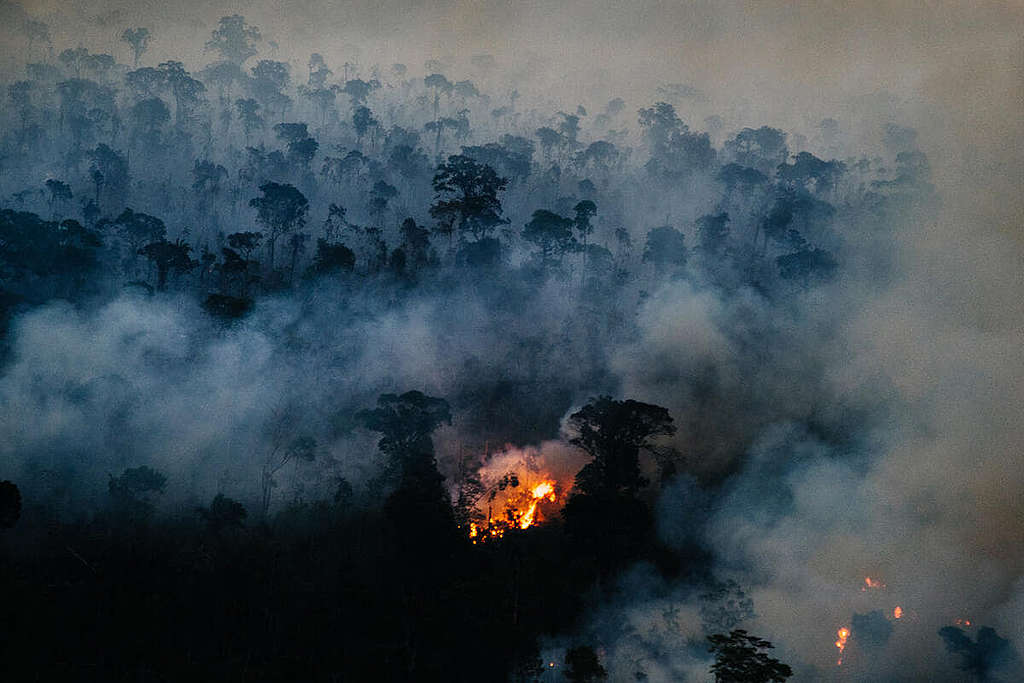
[(439, 84), (332, 258), (186, 90), (712, 233), (298, 449), (363, 121), (981, 657), (233, 39), (551, 233), (109, 169), (467, 197), (149, 115), (418, 508), (665, 248), (60, 192), (583, 666), (248, 111), (585, 211), (281, 209), (740, 658), (223, 513), (358, 90), (763, 149), (245, 242), (132, 492), (613, 433), (168, 256), (604, 517), (405, 423), (675, 151), (138, 39)]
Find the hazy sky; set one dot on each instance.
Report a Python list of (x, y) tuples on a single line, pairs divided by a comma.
[(955, 67)]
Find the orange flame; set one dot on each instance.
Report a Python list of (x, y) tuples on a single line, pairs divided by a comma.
[(545, 489), (897, 612), (522, 509), (963, 622), (871, 583), (843, 634)]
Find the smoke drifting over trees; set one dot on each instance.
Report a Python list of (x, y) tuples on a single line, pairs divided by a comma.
[(329, 355)]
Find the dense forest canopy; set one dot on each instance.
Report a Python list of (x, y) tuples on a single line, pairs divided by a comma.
[(365, 370)]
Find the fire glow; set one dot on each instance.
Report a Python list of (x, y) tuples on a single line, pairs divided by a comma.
[(522, 510), (872, 584), (843, 634)]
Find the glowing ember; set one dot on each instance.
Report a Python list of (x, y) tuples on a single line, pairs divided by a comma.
[(963, 622), (843, 634), (897, 612), (871, 583)]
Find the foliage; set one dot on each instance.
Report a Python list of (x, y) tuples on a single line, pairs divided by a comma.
[(613, 433), (980, 657), (740, 658), (467, 197)]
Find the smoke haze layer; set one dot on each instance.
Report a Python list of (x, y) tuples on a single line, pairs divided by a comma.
[(866, 424)]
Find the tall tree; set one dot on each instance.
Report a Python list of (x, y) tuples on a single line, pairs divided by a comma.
[(406, 423), (298, 449), (234, 39), (675, 151), (467, 197), (187, 91), (168, 256), (138, 39), (60, 192), (551, 233), (613, 433), (666, 248), (281, 209), (248, 111), (585, 211), (763, 149)]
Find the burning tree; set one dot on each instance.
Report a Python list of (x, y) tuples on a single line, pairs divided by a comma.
[(520, 508)]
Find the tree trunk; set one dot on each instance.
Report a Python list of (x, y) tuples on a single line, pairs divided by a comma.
[(270, 243)]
